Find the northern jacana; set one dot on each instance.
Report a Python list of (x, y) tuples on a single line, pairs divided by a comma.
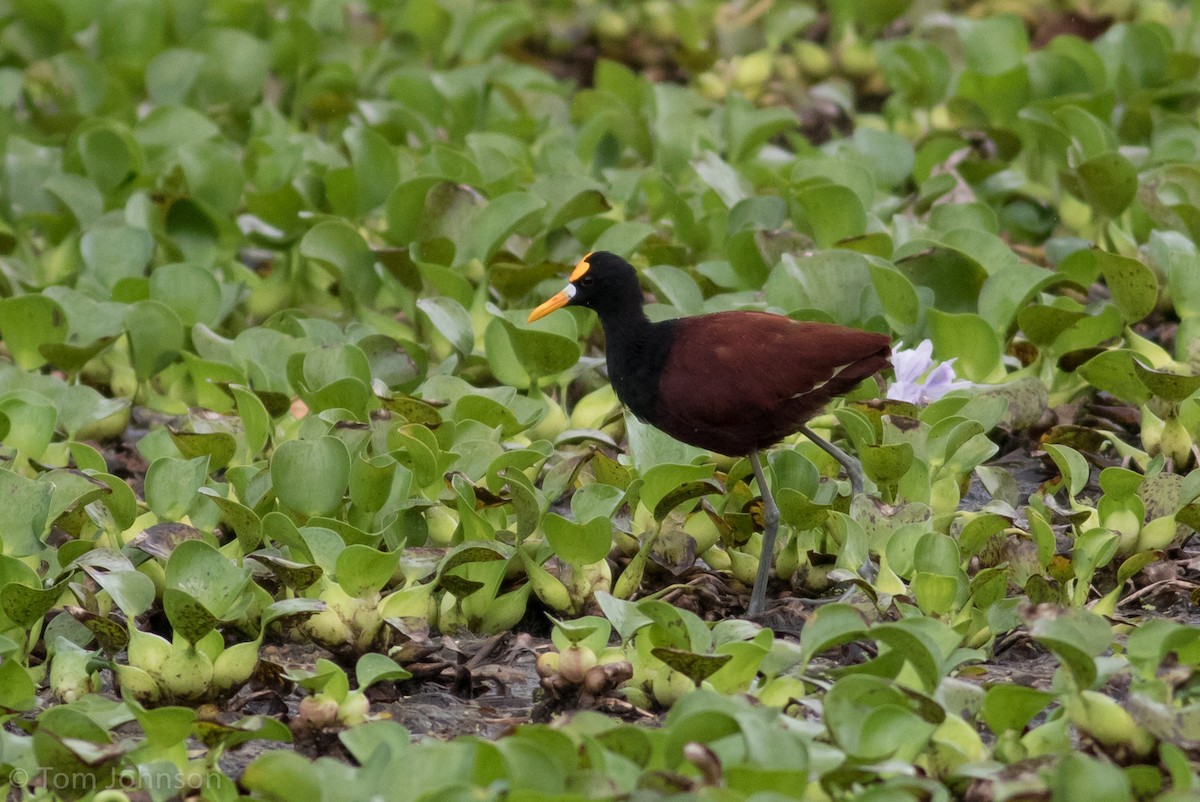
[(730, 382)]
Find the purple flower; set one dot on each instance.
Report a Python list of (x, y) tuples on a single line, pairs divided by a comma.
[(911, 365)]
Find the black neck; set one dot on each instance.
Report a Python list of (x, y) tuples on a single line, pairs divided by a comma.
[(636, 351)]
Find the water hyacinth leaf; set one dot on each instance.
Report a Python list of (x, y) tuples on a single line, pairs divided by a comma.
[(589, 630), (496, 222), (873, 720), (361, 569), (111, 636), (664, 479), (623, 238), (72, 489), (188, 617), (830, 212), (919, 650), (24, 511), (191, 292), (521, 357), (578, 544), (256, 420), (172, 484), (373, 668), (935, 593), (451, 320), (1076, 637), (831, 626), (26, 605), (1114, 372), (218, 447), (339, 247), (1107, 181), (297, 576), (831, 281), (413, 410), (1133, 286), (1154, 640), (72, 358), (156, 337), (27, 422), (1012, 707), (626, 617), (1168, 386), (901, 305), (311, 476), (84, 410), (1071, 465), (199, 571), (1079, 778), (1042, 324), (398, 364), (970, 340), (689, 491), (697, 667), (405, 208), (374, 164), (17, 691), (28, 322), (748, 128), (244, 522), (132, 591), (113, 253), (887, 463)]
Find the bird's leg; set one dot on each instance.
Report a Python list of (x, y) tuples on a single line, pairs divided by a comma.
[(867, 570), (758, 596), (848, 462)]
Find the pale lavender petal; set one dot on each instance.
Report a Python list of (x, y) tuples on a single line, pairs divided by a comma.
[(942, 380), (910, 363), (905, 391)]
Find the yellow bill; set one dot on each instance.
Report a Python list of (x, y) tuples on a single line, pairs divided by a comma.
[(557, 302)]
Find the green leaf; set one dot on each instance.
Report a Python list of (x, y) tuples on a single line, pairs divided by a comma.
[(1133, 285), (830, 626), (172, 484), (1114, 372), (1107, 182), (27, 322), (496, 223), (1012, 707), (361, 569), (578, 544), (1079, 778), (341, 249), (112, 253), (969, 339), (373, 668), (156, 337), (522, 355), (311, 476), (830, 213), (1076, 637), (208, 577), (451, 320), (697, 667)]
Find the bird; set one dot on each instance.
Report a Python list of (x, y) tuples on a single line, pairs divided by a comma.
[(731, 382)]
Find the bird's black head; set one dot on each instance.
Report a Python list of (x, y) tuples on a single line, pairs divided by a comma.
[(603, 282)]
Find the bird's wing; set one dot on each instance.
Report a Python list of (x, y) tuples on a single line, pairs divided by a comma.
[(729, 367)]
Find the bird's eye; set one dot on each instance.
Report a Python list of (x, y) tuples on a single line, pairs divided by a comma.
[(587, 281)]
